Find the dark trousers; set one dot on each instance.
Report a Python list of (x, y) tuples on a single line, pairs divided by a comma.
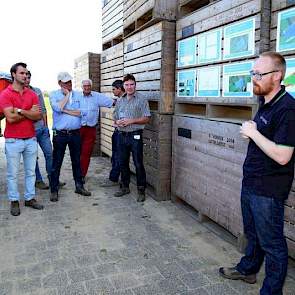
[(263, 219), (60, 142), (115, 172), (130, 143)]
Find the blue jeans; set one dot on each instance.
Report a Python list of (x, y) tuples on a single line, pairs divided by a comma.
[(43, 138), (131, 142), (115, 172), (60, 142), (14, 149), (263, 219)]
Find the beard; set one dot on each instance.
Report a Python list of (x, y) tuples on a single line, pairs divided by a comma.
[(262, 90)]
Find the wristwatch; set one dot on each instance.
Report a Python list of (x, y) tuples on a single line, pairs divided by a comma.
[(19, 111)]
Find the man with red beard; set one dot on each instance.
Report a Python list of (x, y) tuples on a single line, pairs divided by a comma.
[(268, 173)]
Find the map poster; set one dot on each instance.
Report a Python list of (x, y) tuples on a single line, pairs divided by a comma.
[(286, 30), (208, 82), (186, 83), (239, 39), (237, 80), (289, 80), (187, 52), (209, 46)]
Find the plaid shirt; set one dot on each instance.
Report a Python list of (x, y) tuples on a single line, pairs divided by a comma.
[(136, 107)]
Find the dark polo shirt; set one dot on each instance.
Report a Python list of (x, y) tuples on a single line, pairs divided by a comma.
[(276, 121)]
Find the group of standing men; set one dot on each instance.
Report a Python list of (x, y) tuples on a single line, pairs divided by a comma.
[(268, 170), (75, 117)]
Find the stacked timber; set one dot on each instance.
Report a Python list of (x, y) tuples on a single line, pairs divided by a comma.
[(139, 14), (147, 52), (111, 70), (87, 66), (112, 23), (150, 56), (282, 40), (111, 64)]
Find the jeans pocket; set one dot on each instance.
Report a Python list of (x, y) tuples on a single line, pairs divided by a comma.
[(10, 140)]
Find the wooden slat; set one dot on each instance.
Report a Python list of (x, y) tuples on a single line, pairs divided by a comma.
[(218, 14)]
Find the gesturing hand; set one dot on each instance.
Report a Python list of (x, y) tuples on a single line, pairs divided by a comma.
[(248, 128)]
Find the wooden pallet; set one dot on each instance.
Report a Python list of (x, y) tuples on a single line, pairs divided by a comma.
[(149, 55), (111, 67), (87, 66), (106, 130), (157, 155), (139, 14), (112, 23)]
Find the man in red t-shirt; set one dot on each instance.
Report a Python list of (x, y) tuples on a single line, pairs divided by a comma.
[(21, 108)]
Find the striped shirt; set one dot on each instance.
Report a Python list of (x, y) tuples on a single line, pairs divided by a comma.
[(136, 107)]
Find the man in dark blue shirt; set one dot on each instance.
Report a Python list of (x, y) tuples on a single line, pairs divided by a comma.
[(268, 173)]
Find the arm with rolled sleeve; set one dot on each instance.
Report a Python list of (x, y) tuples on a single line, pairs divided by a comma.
[(54, 98)]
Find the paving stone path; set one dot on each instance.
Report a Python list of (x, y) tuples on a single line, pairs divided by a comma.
[(106, 245)]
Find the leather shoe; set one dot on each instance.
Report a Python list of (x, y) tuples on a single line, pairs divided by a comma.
[(14, 208), (233, 274), (40, 184), (123, 191), (54, 197), (34, 204), (82, 191), (140, 196)]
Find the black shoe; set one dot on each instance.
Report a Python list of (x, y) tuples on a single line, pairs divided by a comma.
[(34, 204), (14, 208), (54, 197), (140, 196), (40, 184), (82, 191), (122, 192), (61, 184), (232, 274), (108, 183)]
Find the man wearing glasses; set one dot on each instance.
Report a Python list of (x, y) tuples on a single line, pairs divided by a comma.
[(268, 173)]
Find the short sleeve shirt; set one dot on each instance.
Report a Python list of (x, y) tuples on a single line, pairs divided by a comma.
[(136, 107), (276, 121), (12, 98), (40, 123)]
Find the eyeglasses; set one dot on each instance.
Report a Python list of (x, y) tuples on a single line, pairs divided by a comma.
[(258, 76)]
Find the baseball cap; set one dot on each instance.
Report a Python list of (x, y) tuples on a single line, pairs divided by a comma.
[(64, 77)]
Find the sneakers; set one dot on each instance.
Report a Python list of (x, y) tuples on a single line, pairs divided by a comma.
[(122, 192), (40, 184), (54, 197), (14, 208), (34, 204), (82, 191), (140, 196), (232, 274), (108, 183)]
